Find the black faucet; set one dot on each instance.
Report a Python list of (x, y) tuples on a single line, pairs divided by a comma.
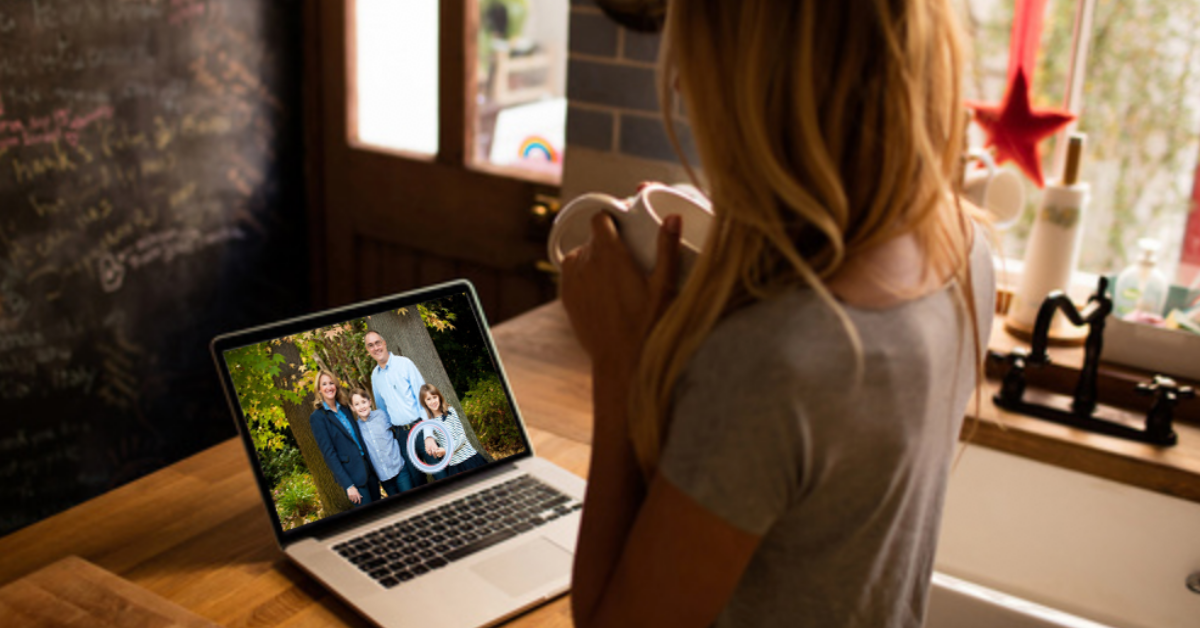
[(1083, 404), (1098, 307)]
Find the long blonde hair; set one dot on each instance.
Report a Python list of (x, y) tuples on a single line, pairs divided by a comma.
[(824, 129), (339, 396)]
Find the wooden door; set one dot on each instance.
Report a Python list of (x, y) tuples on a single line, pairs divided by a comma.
[(387, 222)]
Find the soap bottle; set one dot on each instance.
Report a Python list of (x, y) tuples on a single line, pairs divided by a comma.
[(1053, 247), (1141, 290)]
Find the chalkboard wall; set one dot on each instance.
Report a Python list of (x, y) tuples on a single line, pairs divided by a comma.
[(150, 197)]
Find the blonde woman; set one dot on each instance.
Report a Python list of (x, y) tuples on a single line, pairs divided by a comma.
[(341, 442), (772, 443)]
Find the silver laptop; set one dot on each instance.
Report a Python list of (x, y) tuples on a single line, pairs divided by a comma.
[(473, 528)]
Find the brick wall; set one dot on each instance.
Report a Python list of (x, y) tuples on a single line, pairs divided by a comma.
[(615, 133)]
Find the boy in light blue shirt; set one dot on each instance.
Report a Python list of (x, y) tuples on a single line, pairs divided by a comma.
[(385, 454)]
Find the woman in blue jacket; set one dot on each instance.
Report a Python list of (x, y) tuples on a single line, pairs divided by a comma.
[(341, 441)]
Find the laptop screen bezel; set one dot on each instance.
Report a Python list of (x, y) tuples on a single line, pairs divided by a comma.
[(271, 331)]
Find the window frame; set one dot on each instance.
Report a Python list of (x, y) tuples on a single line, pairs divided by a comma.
[(458, 25)]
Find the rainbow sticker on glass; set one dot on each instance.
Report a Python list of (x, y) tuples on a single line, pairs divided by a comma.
[(412, 446), (536, 146), (533, 134)]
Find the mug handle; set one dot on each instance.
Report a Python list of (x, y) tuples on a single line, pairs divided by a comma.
[(572, 225)]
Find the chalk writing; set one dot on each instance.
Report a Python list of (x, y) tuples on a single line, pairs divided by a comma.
[(163, 134), (112, 273), (66, 58), (118, 137), (157, 165), (137, 139), (182, 195), (51, 243), (8, 24), (10, 389), (80, 377), (29, 170), (168, 94), (22, 95), (84, 215), (21, 340), (17, 365), (118, 384), (49, 15), (113, 237), (82, 96), (205, 125), (184, 10), (204, 77), (163, 246), (23, 438), (13, 303), (46, 355)]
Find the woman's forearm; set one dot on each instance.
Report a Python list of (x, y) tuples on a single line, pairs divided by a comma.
[(615, 494)]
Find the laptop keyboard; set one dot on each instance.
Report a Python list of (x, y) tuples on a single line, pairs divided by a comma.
[(433, 539)]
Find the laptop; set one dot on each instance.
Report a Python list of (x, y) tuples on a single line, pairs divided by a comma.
[(455, 546)]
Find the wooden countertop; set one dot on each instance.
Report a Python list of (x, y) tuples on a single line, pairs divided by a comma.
[(196, 534)]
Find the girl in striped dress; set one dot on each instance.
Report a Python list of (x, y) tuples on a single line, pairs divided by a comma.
[(463, 456)]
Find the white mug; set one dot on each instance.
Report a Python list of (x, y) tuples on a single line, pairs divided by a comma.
[(638, 220), (997, 191)]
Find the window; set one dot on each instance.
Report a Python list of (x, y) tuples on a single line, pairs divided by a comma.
[(521, 105), (396, 74), (516, 118), (1140, 110)]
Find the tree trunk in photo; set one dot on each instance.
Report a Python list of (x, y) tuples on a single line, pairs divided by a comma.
[(333, 496), (406, 335)]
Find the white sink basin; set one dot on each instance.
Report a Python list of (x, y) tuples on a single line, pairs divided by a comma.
[(1074, 543)]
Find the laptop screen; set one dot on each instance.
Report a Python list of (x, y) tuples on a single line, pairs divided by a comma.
[(352, 410)]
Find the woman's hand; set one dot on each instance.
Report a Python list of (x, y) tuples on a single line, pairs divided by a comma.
[(611, 302), (354, 495), (441, 451), (430, 446)]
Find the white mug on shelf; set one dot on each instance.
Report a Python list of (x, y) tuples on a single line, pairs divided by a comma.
[(638, 220), (993, 189)]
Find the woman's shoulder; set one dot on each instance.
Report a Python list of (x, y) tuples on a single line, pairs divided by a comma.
[(791, 333)]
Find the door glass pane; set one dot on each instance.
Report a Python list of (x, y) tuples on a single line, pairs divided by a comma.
[(396, 74), (520, 100)]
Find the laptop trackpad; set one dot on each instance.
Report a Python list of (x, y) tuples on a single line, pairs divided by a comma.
[(527, 567)]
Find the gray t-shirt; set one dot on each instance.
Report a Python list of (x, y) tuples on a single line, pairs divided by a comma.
[(845, 486)]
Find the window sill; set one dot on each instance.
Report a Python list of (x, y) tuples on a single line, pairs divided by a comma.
[(1172, 471)]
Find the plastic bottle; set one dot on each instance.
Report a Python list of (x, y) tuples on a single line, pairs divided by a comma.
[(1141, 290), (1053, 248)]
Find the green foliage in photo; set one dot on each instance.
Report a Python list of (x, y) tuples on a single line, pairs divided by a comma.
[(278, 465), (459, 346), (254, 370), (490, 414), (296, 501)]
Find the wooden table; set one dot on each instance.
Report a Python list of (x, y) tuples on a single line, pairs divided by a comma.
[(196, 533)]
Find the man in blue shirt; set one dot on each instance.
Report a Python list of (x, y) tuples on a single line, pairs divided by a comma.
[(396, 382)]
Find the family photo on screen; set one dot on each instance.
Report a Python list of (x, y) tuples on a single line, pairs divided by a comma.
[(355, 412)]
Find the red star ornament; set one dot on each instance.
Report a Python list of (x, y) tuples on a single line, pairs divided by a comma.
[(1016, 127)]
